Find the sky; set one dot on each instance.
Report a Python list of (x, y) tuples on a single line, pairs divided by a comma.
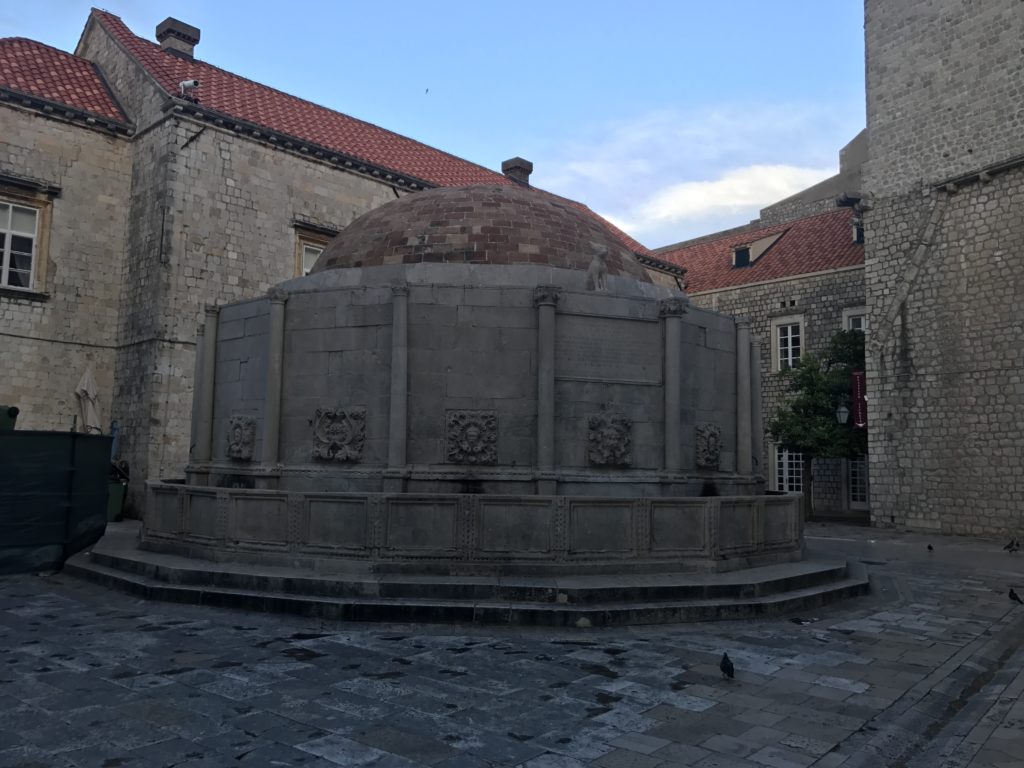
[(672, 118)]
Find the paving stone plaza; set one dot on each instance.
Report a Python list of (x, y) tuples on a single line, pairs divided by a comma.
[(926, 671)]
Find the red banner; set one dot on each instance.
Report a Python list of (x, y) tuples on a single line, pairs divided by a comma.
[(860, 401)]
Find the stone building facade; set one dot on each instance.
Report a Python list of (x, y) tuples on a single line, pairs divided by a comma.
[(156, 198), (945, 186), (797, 271), (67, 172), (808, 285)]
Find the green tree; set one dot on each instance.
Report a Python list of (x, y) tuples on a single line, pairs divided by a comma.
[(818, 387)]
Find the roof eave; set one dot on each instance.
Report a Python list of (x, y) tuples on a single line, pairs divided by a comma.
[(301, 147), (65, 111)]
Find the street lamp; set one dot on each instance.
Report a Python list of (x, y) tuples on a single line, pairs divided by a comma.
[(842, 414)]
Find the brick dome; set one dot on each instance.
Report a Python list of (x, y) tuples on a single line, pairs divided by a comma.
[(479, 225)]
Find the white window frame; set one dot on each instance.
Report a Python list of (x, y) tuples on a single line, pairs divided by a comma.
[(307, 249), (781, 322), (786, 483), (850, 468), (5, 251), (306, 239), (855, 312)]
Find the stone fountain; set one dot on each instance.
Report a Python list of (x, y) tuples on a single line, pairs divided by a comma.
[(480, 387)]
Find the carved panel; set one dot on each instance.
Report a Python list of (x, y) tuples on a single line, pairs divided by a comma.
[(472, 437), (610, 441), (709, 445), (338, 434), (241, 437), (674, 306)]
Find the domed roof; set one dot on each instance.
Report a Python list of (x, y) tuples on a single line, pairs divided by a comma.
[(478, 225)]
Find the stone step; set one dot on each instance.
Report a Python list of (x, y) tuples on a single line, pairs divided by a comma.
[(756, 582), (106, 570)]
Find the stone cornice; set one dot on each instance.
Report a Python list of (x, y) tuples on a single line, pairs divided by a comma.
[(37, 186), (64, 112), (983, 175), (661, 266), (300, 147)]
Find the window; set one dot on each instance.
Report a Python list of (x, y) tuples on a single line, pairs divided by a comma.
[(787, 341), (857, 479), (18, 239), (789, 471), (855, 319), (310, 242), (310, 253), (747, 254), (308, 248)]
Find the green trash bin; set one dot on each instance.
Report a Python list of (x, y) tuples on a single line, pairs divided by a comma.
[(8, 415), (115, 500)]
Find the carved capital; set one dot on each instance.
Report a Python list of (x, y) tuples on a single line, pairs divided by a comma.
[(742, 322), (212, 310), (546, 294), (675, 306), (277, 296), (399, 290)]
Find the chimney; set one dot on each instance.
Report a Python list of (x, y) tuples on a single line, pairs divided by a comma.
[(177, 37), (518, 170)]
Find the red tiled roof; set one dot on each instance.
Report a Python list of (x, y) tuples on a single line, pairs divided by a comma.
[(243, 99), (813, 244), (46, 73)]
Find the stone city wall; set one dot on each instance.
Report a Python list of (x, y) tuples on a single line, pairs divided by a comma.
[(68, 322), (943, 89), (944, 365), (945, 371)]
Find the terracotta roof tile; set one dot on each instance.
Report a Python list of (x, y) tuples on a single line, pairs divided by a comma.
[(47, 73), (243, 99), (813, 244)]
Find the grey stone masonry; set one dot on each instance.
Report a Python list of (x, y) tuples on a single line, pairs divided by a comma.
[(943, 230), (818, 301), (68, 320)]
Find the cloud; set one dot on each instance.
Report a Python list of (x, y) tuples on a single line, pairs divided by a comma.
[(735, 191), (672, 174)]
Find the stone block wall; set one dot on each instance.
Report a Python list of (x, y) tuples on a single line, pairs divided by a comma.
[(945, 365), (943, 89), (241, 370), (819, 300), (946, 361), (69, 321), (472, 386), (139, 96)]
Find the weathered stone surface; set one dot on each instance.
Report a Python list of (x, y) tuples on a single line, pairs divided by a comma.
[(944, 367)]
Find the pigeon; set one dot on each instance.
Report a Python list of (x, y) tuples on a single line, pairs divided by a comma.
[(1013, 596), (1009, 545), (1016, 545), (931, 548), (728, 670)]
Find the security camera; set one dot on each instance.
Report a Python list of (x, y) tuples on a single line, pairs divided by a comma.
[(188, 85)]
